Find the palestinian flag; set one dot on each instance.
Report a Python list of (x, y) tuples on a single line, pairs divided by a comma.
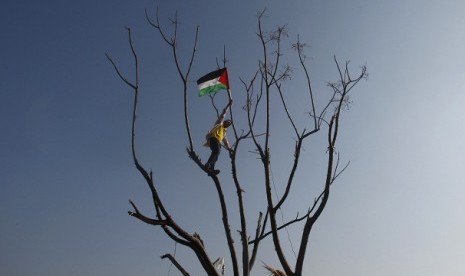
[(213, 81)]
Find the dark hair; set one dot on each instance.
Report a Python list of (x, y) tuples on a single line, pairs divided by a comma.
[(227, 123)]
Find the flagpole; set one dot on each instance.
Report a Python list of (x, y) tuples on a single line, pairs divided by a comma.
[(229, 94)]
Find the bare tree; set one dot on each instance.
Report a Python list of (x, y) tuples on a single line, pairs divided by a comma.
[(265, 83)]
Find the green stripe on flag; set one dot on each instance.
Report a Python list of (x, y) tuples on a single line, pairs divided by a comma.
[(212, 89)]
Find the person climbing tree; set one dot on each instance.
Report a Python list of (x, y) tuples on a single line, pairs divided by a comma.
[(216, 137)]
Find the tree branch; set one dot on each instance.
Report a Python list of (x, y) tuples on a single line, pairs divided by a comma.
[(143, 218), (175, 263)]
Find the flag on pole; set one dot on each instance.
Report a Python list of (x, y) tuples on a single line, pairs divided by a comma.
[(213, 81)]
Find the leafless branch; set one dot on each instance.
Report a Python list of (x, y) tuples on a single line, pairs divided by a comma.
[(119, 73), (176, 264), (338, 172), (143, 218), (268, 71), (299, 48), (163, 216), (287, 111), (172, 42)]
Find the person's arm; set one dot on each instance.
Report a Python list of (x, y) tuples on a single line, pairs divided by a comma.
[(221, 117), (225, 142)]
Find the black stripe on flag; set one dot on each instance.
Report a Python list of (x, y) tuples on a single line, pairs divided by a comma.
[(211, 75)]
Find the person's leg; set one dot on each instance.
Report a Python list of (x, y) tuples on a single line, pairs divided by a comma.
[(215, 148)]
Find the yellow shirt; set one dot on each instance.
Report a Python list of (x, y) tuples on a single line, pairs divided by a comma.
[(218, 132)]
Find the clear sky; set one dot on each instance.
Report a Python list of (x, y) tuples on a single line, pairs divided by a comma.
[(66, 172)]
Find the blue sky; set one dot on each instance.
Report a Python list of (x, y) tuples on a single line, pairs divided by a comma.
[(65, 166)]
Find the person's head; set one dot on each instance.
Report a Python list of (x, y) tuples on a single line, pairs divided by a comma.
[(227, 123)]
